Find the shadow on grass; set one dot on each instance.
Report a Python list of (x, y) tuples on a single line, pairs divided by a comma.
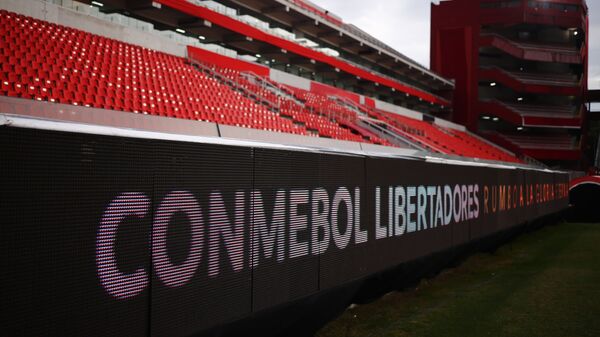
[(545, 283)]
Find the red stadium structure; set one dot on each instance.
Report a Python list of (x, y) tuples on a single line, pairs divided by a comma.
[(244, 93), (521, 70), (176, 168)]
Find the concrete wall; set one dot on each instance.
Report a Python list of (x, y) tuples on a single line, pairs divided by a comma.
[(102, 117), (448, 124), (385, 106), (373, 149), (289, 79), (234, 132), (63, 16)]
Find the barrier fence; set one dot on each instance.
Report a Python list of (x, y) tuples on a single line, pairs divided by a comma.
[(110, 235)]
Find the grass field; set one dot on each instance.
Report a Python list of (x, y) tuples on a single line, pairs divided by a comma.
[(545, 283)]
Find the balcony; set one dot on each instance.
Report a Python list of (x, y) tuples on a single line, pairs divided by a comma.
[(533, 115), (568, 13), (541, 147), (549, 84), (533, 51)]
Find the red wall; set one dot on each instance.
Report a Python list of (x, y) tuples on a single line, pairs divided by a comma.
[(455, 42), (455, 55)]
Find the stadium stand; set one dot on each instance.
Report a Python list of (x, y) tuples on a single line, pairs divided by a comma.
[(317, 113), (445, 140), (79, 68), (169, 170)]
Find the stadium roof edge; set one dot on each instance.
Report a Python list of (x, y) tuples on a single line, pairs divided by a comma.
[(396, 53), (344, 29), (193, 10)]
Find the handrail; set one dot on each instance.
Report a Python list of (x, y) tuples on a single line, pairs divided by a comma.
[(235, 84), (270, 86), (266, 84), (388, 133), (349, 104), (290, 96), (405, 134), (405, 128)]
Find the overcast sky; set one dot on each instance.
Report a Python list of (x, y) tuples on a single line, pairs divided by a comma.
[(404, 25)]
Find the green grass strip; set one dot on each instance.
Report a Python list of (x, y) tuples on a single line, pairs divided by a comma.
[(545, 283)]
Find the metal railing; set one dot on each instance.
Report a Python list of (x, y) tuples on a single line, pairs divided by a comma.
[(235, 84), (268, 85), (390, 133), (348, 103), (265, 85)]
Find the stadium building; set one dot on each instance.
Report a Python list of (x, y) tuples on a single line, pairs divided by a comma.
[(521, 70), (176, 168)]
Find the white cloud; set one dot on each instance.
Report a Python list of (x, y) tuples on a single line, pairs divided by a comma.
[(405, 26)]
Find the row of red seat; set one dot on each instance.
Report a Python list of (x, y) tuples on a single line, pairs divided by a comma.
[(74, 67), (325, 106), (320, 102), (432, 137), (317, 112), (133, 79), (443, 140), (490, 151)]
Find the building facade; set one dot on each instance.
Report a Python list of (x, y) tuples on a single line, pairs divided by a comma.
[(520, 68)]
